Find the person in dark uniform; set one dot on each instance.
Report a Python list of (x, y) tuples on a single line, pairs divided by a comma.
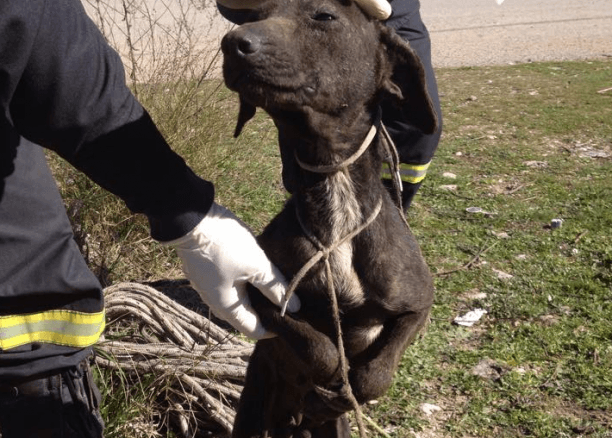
[(63, 88), (415, 149)]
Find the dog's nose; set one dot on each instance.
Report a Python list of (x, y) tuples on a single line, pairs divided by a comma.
[(249, 44), (241, 42)]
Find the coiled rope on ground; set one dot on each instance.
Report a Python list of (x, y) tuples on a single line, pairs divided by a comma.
[(204, 364)]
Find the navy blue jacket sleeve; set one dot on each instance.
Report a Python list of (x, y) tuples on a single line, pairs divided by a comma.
[(63, 87)]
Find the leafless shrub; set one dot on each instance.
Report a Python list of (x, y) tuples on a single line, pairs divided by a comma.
[(162, 41)]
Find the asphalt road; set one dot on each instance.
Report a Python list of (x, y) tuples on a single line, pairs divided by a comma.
[(463, 32), (481, 32)]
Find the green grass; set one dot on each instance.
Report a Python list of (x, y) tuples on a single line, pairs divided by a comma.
[(548, 330), (520, 140)]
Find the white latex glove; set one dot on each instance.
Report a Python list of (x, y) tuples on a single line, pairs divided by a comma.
[(220, 256)]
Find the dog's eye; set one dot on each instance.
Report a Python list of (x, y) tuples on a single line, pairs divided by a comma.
[(323, 16)]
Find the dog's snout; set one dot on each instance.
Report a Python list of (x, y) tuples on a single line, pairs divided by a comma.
[(242, 43)]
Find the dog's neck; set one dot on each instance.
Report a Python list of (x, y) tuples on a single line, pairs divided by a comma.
[(332, 197)]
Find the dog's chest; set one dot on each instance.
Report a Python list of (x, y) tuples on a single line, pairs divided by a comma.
[(344, 217)]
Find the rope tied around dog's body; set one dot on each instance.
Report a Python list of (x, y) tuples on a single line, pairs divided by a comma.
[(323, 253), (392, 160)]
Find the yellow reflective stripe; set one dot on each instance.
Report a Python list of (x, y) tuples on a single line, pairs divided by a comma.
[(411, 173), (61, 327)]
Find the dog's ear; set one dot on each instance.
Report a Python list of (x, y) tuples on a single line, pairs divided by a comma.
[(404, 81), (245, 113)]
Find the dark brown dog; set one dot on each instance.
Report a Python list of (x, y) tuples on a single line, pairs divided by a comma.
[(320, 68)]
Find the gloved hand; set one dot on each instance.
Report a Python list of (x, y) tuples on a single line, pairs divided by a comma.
[(220, 256)]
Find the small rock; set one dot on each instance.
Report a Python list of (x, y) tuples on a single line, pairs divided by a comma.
[(502, 275), (538, 164), (549, 320), (487, 369), (450, 187), (429, 409), (592, 153), (501, 235), (472, 98), (391, 429), (449, 175), (458, 154), (474, 294)]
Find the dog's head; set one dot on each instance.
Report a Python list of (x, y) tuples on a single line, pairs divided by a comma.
[(322, 57)]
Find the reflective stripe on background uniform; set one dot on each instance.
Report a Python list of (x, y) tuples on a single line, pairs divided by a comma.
[(61, 327), (410, 173)]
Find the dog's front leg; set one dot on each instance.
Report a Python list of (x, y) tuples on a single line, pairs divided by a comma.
[(372, 371), (315, 350)]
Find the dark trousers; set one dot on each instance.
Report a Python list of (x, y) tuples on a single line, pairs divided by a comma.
[(41, 267), (64, 405), (414, 147)]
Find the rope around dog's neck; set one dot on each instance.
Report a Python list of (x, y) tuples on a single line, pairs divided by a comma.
[(391, 158), (332, 168)]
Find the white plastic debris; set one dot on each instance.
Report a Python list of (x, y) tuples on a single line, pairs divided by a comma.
[(479, 210), (556, 223), (470, 318)]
